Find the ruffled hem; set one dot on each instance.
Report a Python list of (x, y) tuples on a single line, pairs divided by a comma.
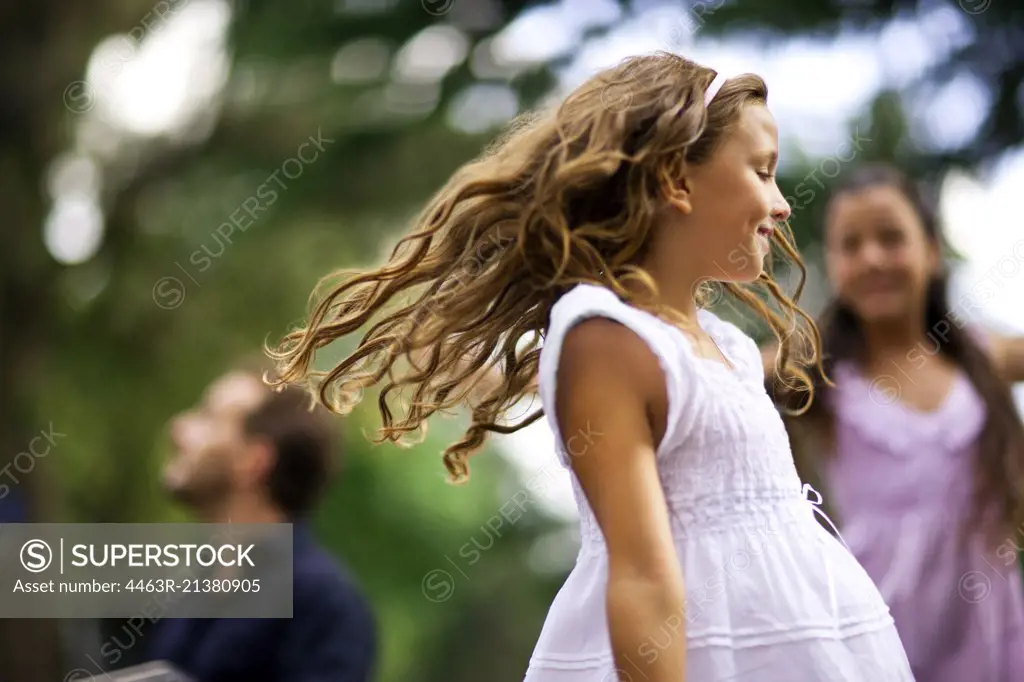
[(734, 641), (786, 581), (873, 655)]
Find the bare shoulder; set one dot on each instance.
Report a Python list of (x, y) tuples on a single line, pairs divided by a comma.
[(601, 350), (1007, 353), (611, 391)]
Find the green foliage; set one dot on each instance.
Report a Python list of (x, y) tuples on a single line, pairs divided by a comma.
[(399, 524), (108, 350), (992, 52)]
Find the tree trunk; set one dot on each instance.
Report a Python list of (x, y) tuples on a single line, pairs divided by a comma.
[(44, 46)]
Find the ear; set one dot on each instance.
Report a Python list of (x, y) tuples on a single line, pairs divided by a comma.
[(675, 188)]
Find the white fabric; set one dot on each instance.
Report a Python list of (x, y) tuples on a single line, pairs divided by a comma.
[(713, 89), (771, 596)]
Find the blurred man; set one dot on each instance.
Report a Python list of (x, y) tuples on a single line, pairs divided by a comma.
[(247, 454)]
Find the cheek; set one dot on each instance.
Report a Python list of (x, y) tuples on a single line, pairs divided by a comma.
[(762, 196), (743, 216), (924, 266), (911, 262), (740, 197), (204, 441), (219, 444), (838, 269), (192, 433)]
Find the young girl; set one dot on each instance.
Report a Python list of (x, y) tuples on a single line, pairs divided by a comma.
[(919, 444), (596, 226)]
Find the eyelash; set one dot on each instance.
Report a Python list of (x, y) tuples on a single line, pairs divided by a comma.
[(765, 176)]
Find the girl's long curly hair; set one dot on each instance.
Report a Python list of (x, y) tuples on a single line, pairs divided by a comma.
[(566, 197)]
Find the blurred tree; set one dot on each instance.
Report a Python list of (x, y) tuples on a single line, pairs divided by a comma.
[(92, 347), (107, 348), (991, 50)]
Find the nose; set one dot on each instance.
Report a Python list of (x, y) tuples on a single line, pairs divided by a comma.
[(177, 430), (781, 210), (872, 254)]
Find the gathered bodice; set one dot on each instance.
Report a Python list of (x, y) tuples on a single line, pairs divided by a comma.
[(725, 453), (767, 588)]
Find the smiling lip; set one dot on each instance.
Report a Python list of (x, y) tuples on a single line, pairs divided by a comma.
[(765, 231), (880, 283), (880, 288)]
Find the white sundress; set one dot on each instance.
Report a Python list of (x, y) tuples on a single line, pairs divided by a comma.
[(771, 596)]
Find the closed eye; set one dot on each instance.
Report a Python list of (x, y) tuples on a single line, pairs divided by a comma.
[(766, 165)]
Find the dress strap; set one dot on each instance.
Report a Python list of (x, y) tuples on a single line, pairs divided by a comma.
[(816, 506)]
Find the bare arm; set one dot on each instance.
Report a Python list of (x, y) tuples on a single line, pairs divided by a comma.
[(608, 383), (1008, 355)]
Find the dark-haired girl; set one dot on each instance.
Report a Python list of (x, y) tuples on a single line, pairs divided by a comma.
[(918, 445)]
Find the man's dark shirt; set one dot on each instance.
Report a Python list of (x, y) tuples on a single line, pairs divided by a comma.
[(331, 636)]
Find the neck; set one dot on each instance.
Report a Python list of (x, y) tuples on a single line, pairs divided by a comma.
[(887, 340), (241, 509), (676, 287)]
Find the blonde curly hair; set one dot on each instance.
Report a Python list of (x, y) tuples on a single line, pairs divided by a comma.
[(565, 197)]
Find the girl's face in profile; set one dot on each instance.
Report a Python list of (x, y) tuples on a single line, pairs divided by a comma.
[(880, 259), (734, 201)]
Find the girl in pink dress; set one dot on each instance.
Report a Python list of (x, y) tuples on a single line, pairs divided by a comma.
[(918, 447)]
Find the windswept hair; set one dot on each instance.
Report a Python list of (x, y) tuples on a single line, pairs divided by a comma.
[(565, 197)]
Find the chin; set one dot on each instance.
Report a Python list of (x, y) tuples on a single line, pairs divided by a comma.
[(752, 275), (176, 481), (742, 272), (885, 308), (882, 317), (174, 486), (186, 493), (882, 314)]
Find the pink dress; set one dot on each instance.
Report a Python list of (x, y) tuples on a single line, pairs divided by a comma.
[(899, 485)]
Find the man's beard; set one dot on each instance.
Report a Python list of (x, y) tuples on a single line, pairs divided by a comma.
[(203, 491)]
